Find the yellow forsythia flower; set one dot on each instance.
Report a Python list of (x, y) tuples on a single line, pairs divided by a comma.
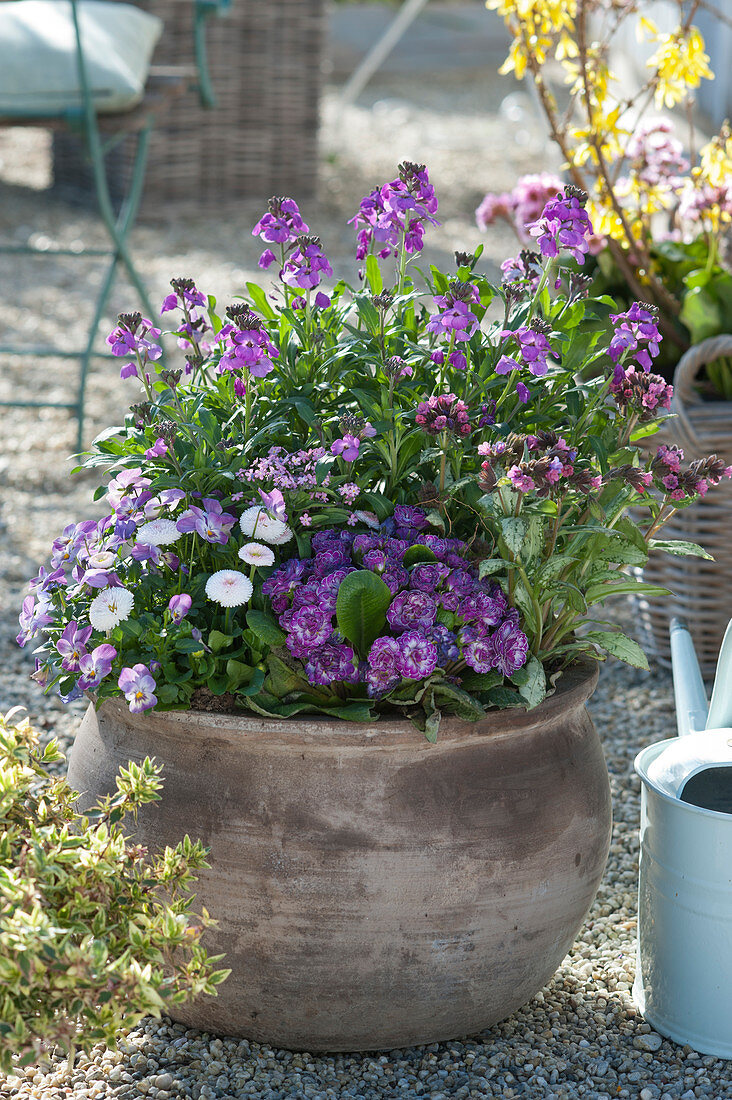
[(681, 64), (715, 161)]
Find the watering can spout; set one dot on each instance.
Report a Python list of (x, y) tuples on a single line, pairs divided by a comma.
[(720, 708), (689, 693)]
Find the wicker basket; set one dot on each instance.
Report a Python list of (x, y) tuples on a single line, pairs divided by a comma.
[(701, 590), (261, 139)]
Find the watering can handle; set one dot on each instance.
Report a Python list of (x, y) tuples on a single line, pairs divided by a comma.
[(689, 693), (720, 706)]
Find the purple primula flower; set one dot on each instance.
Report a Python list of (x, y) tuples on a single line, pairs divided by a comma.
[(406, 515), (95, 666), (309, 628), (638, 325), (482, 608), (179, 606), (395, 578), (478, 652), (412, 610), (382, 671), (211, 522), (306, 265), (32, 618), (564, 225), (72, 645), (510, 647), (417, 655), (427, 576), (281, 224), (332, 663), (138, 687), (446, 642)]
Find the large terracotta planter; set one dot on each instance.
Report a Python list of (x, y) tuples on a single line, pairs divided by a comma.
[(374, 890)]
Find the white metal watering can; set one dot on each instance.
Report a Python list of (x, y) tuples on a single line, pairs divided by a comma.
[(683, 983)]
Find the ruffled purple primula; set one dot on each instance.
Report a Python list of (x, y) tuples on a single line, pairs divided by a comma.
[(442, 616)]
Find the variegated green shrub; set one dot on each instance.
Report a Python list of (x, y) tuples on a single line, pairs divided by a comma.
[(95, 932)]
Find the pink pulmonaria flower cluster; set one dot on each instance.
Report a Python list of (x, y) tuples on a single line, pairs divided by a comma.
[(684, 485), (521, 206), (396, 212), (533, 350), (564, 225), (643, 393), (440, 613), (543, 464), (455, 320), (444, 413), (636, 333), (655, 155), (135, 336)]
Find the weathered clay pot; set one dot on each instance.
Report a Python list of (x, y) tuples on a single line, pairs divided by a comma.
[(374, 890)]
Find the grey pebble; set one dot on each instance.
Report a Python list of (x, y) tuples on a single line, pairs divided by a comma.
[(650, 1042)]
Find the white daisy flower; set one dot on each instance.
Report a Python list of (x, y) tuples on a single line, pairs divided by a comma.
[(229, 588), (110, 607), (255, 553), (158, 532), (257, 521)]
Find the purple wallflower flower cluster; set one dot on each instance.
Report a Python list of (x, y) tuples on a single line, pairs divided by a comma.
[(396, 211), (247, 347), (455, 320), (306, 266), (135, 338), (533, 350), (440, 616), (282, 225), (564, 225), (636, 333)]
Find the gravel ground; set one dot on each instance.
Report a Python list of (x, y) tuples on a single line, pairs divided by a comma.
[(581, 1036)]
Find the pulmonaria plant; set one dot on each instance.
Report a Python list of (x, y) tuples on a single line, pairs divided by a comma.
[(391, 499)]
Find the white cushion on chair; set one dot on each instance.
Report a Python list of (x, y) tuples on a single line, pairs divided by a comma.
[(38, 55)]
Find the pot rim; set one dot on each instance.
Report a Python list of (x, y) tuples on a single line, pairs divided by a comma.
[(574, 688)]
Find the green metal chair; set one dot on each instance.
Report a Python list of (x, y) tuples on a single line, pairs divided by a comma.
[(101, 132)]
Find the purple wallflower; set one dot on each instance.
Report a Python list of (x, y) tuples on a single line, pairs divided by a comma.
[(564, 224), (210, 522), (248, 348), (135, 336), (95, 666), (179, 606), (138, 687), (534, 348), (72, 645), (282, 223), (306, 265), (417, 655), (396, 211), (455, 321), (185, 293), (637, 326), (411, 610)]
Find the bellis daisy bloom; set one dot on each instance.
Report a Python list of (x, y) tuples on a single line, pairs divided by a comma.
[(229, 588), (158, 532), (255, 553), (257, 521), (110, 607)]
